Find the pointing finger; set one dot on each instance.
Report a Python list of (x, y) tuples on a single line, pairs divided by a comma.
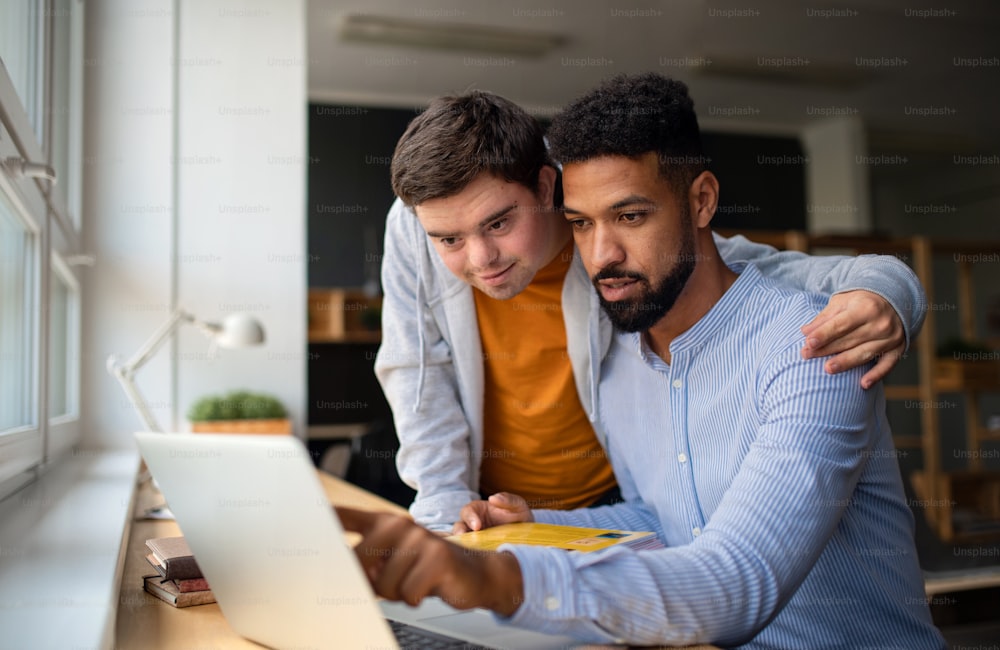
[(358, 521)]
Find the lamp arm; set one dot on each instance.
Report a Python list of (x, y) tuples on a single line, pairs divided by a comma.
[(149, 348), (134, 396), (124, 372)]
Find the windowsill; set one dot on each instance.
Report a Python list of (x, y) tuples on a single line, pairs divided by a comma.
[(62, 550)]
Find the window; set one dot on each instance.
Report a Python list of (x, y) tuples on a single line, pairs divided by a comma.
[(17, 247), (64, 357), (66, 108), (20, 28), (40, 118)]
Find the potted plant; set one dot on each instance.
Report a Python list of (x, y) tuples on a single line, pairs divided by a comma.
[(239, 411)]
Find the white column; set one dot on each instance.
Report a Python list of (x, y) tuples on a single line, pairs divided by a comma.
[(837, 177)]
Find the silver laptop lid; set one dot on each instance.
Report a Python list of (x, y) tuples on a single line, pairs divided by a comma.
[(256, 518)]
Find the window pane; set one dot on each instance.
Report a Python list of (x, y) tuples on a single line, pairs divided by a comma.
[(59, 349), (16, 329), (67, 97), (19, 50)]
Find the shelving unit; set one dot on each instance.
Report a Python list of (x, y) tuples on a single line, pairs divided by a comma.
[(962, 506), (969, 500), (344, 315)]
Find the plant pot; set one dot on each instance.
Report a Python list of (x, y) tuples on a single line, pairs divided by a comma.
[(268, 426)]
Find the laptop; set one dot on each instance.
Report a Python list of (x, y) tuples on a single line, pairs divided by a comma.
[(270, 545)]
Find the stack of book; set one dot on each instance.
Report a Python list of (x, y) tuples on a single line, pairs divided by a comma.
[(178, 580)]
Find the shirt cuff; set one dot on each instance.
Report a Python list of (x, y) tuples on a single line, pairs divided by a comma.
[(440, 512), (555, 602), (548, 578), (894, 281)]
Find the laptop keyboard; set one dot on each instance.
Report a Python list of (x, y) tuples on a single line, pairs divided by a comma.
[(415, 638)]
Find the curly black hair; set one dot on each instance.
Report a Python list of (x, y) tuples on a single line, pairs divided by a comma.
[(630, 115)]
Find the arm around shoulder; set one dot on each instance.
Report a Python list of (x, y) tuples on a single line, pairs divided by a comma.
[(883, 275)]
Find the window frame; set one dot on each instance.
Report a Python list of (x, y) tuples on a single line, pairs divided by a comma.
[(63, 428), (22, 446), (55, 238)]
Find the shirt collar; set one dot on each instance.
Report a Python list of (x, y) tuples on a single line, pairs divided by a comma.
[(722, 312)]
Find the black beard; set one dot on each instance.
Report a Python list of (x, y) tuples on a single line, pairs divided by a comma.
[(640, 314)]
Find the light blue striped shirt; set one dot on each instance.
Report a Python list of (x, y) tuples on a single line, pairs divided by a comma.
[(774, 484)]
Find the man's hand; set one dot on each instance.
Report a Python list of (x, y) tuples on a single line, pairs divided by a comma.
[(500, 508), (856, 327), (404, 561)]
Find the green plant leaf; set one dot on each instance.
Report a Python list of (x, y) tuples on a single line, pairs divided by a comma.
[(236, 405)]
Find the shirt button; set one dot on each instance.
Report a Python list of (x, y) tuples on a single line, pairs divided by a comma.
[(552, 603), (696, 531), (682, 458), (678, 383)]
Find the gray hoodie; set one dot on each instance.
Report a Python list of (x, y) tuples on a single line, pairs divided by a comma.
[(430, 363)]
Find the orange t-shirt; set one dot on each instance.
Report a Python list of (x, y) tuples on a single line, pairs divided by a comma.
[(538, 442)]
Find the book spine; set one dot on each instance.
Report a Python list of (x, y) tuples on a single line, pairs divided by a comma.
[(181, 568), (166, 591), (191, 584), (195, 598)]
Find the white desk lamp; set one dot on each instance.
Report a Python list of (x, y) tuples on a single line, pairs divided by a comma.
[(236, 331)]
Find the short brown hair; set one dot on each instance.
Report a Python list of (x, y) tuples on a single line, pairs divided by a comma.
[(459, 137)]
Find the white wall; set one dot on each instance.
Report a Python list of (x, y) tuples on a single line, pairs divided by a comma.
[(127, 207), (194, 195), (242, 203)]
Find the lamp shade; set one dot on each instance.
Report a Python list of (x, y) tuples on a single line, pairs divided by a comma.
[(239, 331)]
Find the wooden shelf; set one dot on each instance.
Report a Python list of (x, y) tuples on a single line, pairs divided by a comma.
[(964, 507), (901, 392), (942, 582), (955, 376), (344, 315), (347, 337)]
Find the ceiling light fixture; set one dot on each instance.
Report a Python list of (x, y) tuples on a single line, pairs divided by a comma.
[(796, 71), (366, 28)]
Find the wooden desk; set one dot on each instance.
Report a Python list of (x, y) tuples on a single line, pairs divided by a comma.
[(146, 622)]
